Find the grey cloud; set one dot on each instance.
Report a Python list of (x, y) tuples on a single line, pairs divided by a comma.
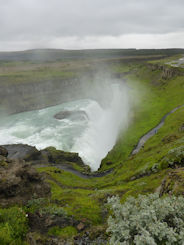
[(26, 20)]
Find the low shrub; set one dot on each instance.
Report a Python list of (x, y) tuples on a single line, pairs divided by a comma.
[(66, 232), (35, 204), (54, 211), (147, 220), (173, 158), (42, 206)]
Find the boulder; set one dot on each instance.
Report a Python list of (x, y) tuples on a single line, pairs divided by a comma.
[(22, 152), (80, 226), (42, 222), (79, 115)]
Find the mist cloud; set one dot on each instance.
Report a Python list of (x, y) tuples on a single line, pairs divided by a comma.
[(85, 23)]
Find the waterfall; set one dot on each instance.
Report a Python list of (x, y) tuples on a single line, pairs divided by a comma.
[(91, 133), (103, 127)]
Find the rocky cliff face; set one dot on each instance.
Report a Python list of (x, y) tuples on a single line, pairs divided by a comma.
[(167, 72), (32, 95)]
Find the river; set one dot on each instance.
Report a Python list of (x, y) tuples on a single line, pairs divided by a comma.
[(91, 135)]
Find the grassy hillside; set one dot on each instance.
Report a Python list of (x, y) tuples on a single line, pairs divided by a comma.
[(157, 97), (161, 89), (132, 175)]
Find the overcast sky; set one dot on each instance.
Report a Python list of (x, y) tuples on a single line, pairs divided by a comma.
[(81, 24)]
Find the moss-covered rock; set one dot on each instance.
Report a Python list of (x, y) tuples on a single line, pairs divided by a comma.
[(59, 157)]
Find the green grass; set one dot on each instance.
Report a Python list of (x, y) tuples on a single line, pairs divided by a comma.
[(34, 77), (74, 194)]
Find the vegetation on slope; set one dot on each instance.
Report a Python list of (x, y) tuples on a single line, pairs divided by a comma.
[(84, 200)]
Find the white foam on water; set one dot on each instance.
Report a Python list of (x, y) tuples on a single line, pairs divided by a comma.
[(39, 128)]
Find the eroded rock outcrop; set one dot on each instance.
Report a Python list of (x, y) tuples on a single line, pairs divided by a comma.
[(167, 72)]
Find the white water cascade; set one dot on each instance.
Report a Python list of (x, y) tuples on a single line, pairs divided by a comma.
[(92, 136), (103, 128)]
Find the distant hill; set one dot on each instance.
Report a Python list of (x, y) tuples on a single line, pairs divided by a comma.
[(44, 55)]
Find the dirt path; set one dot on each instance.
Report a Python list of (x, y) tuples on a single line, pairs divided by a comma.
[(76, 172), (152, 132)]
